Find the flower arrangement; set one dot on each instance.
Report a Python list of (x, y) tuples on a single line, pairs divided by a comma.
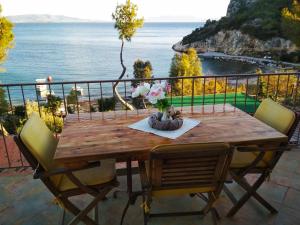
[(167, 118), (155, 94)]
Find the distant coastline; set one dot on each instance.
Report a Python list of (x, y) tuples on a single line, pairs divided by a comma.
[(248, 59), (45, 18)]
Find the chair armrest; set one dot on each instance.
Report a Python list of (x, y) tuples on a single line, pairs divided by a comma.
[(39, 174), (262, 149)]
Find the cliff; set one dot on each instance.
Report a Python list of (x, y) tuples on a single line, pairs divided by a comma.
[(250, 28)]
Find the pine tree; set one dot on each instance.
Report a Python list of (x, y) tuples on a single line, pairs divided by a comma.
[(126, 22)]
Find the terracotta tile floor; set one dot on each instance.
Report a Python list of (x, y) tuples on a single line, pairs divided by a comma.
[(26, 201)]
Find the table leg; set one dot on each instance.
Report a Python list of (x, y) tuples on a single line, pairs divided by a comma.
[(132, 196), (129, 179)]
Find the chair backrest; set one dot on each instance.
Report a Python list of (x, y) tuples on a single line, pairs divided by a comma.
[(39, 142), (277, 116), (189, 165)]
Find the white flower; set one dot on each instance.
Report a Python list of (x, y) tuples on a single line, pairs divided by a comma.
[(152, 99), (163, 84), (156, 93), (141, 90), (144, 89)]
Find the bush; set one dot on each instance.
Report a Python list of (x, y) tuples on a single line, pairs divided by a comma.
[(3, 102), (20, 111), (72, 98), (106, 104), (54, 123), (93, 108), (138, 102), (291, 57), (141, 70), (13, 124), (53, 103), (186, 65), (71, 109)]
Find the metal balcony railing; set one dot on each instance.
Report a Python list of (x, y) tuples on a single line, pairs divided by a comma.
[(57, 99)]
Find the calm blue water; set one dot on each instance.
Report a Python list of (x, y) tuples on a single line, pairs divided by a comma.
[(91, 52)]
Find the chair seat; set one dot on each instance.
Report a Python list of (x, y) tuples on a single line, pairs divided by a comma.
[(94, 176), (244, 159)]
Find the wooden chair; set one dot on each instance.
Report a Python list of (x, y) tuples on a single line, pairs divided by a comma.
[(192, 169), (38, 145), (258, 159)]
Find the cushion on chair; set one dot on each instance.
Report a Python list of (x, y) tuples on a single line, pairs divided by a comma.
[(275, 115), (40, 141), (42, 144), (244, 159), (94, 176)]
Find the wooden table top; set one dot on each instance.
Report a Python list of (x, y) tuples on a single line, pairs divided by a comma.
[(106, 135)]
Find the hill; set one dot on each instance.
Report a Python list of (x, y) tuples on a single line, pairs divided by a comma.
[(251, 27), (44, 18)]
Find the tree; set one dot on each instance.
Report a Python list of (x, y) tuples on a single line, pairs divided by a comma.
[(6, 37), (291, 22), (6, 42), (126, 22), (186, 65), (141, 70), (3, 102)]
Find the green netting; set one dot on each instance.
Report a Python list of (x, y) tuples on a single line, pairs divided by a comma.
[(240, 100)]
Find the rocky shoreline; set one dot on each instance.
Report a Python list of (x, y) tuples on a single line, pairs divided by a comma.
[(246, 59), (251, 60)]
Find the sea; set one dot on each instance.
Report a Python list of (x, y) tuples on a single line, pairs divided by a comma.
[(90, 51)]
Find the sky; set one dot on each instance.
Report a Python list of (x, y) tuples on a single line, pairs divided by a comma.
[(151, 10)]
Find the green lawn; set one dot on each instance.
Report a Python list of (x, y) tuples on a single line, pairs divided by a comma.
[(237, 100)]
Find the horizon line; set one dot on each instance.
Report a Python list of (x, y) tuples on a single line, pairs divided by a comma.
[(161, 19)]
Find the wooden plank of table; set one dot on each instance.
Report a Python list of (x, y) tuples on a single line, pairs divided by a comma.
[(86, 139)]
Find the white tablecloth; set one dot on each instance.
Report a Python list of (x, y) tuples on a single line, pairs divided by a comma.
[(143, 125)]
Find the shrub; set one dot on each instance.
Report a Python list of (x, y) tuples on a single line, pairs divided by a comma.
[(71, 109), (54, 123), (13, 123), (3, 102), (106, 104), (141, 70), (53, 103), (20, 111), (186, 65), (139, 102), (72, 98), (93, 108)]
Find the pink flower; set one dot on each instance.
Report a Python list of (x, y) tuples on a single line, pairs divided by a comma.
[(168, 88)]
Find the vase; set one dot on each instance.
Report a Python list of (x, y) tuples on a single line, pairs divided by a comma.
[(165, 116), (167, 112)]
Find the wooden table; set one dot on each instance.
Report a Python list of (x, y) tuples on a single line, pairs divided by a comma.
[(106, 135), (90, 137)]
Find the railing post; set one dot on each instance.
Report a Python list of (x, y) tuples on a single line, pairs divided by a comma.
[(5, 144), (193, 92)]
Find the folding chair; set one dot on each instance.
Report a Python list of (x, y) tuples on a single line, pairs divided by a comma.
[(260, 160), (185, 169), (38, 146)]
